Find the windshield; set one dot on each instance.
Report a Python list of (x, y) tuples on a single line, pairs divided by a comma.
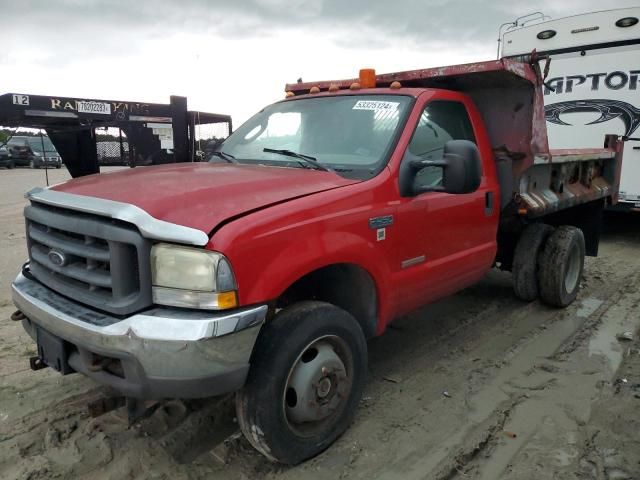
[(352, 135), (36, 144)]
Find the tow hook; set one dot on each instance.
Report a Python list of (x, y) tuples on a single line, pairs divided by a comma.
[(98, 363), (36, 363), (18, 316)]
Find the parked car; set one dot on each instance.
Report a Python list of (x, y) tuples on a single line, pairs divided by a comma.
[(44, 152), (19, 151), (29, 152), (5, 158)]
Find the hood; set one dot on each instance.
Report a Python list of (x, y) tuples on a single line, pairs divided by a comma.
[(202, 195)]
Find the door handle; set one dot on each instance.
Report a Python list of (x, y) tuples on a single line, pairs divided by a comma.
[(488, 204)]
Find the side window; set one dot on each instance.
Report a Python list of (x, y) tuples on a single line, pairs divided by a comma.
[(440, 122)]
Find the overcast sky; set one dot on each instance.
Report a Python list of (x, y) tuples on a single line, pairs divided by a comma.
[(234, 56)]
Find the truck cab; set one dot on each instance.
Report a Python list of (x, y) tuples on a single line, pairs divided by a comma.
[(370, 137)]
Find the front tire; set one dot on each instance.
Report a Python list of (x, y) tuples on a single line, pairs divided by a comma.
[(307, 376), (561, 266)]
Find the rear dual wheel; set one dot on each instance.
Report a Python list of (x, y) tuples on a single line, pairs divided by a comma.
[(561, 266), (526, 260), (307, 376), (548, 263)]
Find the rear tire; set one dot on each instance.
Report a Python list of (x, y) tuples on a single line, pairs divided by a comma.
[(10, 165), (307, 375), (561, 266), (525, 261)]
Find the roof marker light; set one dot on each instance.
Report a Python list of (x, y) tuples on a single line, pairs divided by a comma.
[(367, 78), (333, 87), (315, 89), (289, 94), (627, 22), (395, 85), (546, 34), (354, 86)]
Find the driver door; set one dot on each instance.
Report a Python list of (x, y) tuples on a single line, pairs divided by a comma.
[(448, 240)]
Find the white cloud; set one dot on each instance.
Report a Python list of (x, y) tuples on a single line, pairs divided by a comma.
[(236, 57)]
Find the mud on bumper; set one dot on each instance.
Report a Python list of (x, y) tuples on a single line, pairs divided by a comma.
[(158, 353)]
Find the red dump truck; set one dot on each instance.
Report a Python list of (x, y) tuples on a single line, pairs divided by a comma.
[(319, 221)]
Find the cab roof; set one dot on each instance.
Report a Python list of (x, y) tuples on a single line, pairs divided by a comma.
[(504, 73)]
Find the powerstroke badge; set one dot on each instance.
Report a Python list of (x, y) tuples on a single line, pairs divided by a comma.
[(381, 222)]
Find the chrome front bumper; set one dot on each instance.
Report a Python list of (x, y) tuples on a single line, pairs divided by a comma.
[(159, 353)]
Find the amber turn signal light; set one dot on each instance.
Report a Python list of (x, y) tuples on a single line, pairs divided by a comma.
[(227, 300), (367, 78)]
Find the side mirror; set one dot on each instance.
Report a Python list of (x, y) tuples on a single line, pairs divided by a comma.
[(461, 170)]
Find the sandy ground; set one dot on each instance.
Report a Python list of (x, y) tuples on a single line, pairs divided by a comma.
[(531, 392)]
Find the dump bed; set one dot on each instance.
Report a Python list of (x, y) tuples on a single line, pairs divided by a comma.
[(534, 180)]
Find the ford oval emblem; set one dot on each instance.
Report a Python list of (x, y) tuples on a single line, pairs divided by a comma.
[(58, 258)]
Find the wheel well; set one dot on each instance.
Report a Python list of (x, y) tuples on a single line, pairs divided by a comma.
[(587, 217), (344, 285)]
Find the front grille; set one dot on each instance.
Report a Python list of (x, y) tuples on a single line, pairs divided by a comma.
[(95, 260)]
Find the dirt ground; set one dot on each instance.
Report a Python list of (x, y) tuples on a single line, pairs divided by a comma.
[(478, 386)]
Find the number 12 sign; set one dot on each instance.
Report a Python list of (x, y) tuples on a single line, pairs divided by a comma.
[(21, 100)]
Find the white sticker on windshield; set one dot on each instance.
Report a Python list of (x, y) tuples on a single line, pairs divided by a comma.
[(375, 105)]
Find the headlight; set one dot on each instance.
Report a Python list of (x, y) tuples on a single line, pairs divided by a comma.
[(192, 278), (37, 154)]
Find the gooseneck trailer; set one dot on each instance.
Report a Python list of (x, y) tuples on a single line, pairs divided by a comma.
[(148, 133)]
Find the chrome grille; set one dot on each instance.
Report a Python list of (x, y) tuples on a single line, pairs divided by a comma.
[(94, 260)]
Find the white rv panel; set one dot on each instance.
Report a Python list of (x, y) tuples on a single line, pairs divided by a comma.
[(593, 84)]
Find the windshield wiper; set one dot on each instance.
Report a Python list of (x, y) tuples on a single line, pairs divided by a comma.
[(307, 158), (225, 156)]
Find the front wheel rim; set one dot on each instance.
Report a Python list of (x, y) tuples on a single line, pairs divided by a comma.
[(318, 386)]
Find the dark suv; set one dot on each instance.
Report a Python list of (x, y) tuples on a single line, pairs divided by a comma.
[(5, 157), (29, 151)]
